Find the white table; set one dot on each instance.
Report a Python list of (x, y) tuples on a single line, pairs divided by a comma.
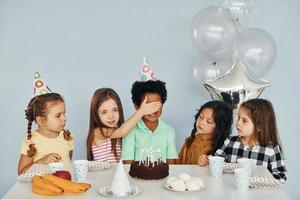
[(216, 188)]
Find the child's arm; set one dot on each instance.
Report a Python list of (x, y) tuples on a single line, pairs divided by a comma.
[(71, 154), (171, 161), (127, 161), (221, 151), (26, 162), (278, 168), (203, 160), (145, 109)]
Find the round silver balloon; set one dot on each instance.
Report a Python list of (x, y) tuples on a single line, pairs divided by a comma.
[(256, 49), (214, 29), (236, 86), (241, 10), (208, 69)]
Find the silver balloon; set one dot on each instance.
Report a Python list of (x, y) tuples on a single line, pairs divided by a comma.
[(236, 86), (241, 10), (256, 49), (214, 29), (209, 69)]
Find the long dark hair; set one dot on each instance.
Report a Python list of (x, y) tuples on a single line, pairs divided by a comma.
[(37, 107), (222, 115), (101, 95), (262, 115)]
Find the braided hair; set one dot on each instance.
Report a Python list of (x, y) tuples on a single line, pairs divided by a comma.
[(38, 107)]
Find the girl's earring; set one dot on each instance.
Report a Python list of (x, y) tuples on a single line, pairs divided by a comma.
[(258, 130)]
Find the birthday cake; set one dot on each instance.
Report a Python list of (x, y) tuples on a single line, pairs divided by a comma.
[(149, 171)]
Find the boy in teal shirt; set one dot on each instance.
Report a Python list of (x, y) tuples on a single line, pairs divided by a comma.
[(150, 131)]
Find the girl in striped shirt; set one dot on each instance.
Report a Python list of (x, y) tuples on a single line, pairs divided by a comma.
[(107, 125)]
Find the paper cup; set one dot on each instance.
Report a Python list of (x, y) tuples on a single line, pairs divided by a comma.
[(80, 168), (56, 166), (242, 178), (216, 164)]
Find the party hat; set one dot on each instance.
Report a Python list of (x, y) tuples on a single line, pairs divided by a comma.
[(120, 185), (39, 86), (146, 72)]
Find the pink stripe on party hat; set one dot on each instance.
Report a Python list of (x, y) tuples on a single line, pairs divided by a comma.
[(146, 72), (39, 86)]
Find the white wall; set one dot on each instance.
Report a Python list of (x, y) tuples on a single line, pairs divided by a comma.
[(79, 46)]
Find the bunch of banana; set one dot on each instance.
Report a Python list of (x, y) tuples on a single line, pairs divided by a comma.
[(43, 187), (49, 184)]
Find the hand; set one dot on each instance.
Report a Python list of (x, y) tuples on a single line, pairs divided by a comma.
[(49, 158), (149, 108), (203, 160)]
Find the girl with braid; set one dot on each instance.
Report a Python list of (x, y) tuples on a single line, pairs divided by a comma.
[(50, 142)]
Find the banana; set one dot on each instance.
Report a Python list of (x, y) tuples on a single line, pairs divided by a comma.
[(66, 185), (38, 182), (42, 191)]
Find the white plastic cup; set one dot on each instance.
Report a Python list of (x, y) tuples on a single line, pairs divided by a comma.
[(242, 178), (80, 168), (56, 166), (216, 164)]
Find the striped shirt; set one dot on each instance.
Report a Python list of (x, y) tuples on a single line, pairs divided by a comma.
[(268, 156), (104, 152)]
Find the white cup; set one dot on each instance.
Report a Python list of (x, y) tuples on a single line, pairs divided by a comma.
[(242, 178), (245, 163), (80, 168), (56, 166), (216, 164)]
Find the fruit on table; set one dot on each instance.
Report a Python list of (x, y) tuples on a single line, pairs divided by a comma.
[(51, 185), (63, 174), (43, 187), (66, 185)]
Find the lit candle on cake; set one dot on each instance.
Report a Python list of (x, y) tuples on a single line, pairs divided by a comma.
[(141, 156), (147, 156), (158, 155)]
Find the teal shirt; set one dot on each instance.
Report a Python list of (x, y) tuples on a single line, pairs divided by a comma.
[(163, 138)]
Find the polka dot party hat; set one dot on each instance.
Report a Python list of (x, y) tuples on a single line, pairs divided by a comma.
[(146, 72), (39, 86)]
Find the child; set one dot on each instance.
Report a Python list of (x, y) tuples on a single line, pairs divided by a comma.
[(151, 132), (107, 124), (211, 127), (257, 138), (50, 142)]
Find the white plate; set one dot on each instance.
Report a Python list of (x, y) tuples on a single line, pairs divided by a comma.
[(98, 165), (172, 189), (106, 191), (229, 167), (263, 182)]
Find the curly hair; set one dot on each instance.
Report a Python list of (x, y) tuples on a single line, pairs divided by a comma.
[(139, 89), (223, 118), (38, 107)]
